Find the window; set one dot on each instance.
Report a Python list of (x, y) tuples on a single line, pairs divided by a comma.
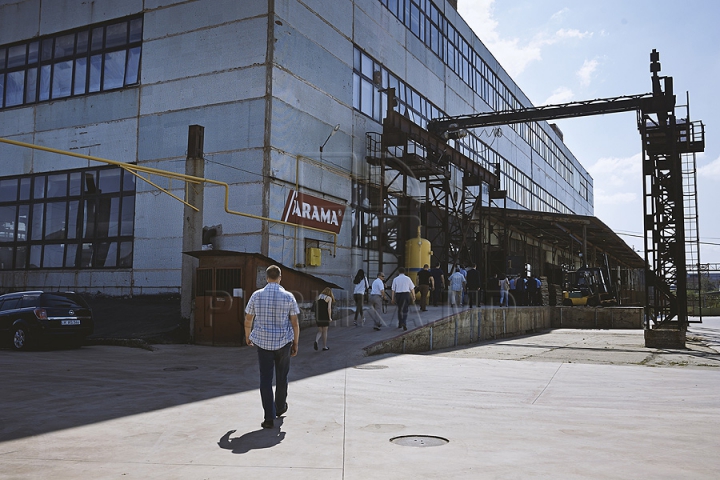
[(67, 220), (92, 59)]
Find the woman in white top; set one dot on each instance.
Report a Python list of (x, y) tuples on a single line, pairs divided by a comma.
[(361, 285)]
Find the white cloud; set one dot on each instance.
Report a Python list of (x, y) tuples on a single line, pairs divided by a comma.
[(711, 170), (559, 14), (586, 72), (513, 54), (560, 95)]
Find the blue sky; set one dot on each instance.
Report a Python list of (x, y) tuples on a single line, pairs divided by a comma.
[(561, 51)]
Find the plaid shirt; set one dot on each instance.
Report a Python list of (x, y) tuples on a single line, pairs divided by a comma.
[(272, 307)]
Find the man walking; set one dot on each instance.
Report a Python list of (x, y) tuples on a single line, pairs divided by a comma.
[(275, 332), (377, 295), (425, 283), (455, 289), (439, 284), (473, 285), (402, 287)]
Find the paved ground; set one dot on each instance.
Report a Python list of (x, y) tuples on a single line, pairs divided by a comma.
[(564, 404)]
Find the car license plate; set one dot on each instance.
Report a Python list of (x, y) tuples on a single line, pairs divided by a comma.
[(69, 322)]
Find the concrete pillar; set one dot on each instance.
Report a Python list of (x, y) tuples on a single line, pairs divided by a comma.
[(192, 222)]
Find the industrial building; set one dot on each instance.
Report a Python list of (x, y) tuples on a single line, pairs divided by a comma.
[(306, 118)]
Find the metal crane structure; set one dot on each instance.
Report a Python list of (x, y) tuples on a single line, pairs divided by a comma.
[(670, 204)]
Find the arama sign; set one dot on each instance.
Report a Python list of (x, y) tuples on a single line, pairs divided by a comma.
[(304, 209)]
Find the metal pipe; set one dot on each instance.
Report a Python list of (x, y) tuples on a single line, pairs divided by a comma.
[(172, 175)]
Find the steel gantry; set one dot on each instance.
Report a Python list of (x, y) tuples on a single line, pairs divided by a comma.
[(669, 145)]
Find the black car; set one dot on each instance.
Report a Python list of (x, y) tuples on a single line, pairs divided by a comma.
[(28, 318)]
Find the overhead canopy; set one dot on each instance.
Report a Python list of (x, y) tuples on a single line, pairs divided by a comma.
[(567, 231)]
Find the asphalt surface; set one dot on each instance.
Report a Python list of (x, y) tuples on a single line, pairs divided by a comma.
[(561, 404)]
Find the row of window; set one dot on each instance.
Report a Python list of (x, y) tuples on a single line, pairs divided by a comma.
[(429, 25), (96, 58), (368, 99), (72, 219)]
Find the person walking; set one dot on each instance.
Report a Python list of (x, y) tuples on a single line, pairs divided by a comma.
[(402, 288), (377, 295), (504, 285), (455, 288), (473, 285), (323, 316), (271, 324), (425, 283), (439, 284), (361, 287)]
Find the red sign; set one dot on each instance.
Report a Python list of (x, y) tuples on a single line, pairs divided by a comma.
[(304, 209)]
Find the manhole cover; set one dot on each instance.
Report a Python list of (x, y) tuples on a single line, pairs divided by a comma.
[(371, 367), (419, 441), (180, 369)]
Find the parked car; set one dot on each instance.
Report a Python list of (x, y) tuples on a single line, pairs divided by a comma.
[(28, 318)]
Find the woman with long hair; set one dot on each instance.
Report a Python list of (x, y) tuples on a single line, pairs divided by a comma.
[(323, 316), (361, 286)]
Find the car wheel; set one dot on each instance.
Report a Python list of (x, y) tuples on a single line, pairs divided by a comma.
[(567, 303), (20, 338)]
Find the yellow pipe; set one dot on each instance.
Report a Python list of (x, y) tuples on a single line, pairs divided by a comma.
[(164, 173)]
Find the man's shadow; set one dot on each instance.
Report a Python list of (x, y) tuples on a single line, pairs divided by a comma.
[(263, 438)]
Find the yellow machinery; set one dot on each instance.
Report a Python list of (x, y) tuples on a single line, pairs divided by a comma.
[(417, 254)]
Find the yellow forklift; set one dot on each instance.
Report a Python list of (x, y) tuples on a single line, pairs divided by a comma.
[(588, 286)]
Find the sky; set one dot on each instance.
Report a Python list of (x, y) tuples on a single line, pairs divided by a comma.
[(561, 51)]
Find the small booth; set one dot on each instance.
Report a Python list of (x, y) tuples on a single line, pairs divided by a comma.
[(224, 281)]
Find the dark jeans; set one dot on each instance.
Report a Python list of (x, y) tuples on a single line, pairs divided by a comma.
[(403, 303), (472, 295), (359, 299), (277, 362)]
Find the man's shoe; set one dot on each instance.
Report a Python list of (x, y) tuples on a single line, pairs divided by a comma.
[(282, 411), (376, 328), (404, 327), (267, 424), (315, 345)]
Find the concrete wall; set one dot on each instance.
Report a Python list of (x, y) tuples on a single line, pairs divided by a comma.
[(489, 323)]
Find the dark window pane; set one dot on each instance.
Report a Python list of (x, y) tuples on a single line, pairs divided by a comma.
[(128, 181), (104, 218), (33, 52), (7, 223), (54, 255), (114, 74), (113, 218), (57, 185), (133, 66), (136, 30), (75, 184), (105, 254), (86, 255), (35, 256), (95, 71), (64, 46), (62, 79), (21, 257), (55, 221), (89, 219), (37, 222), (2, 58), (22, 223), (97, 39), (70, 256), (90, 183), (109, 181), (128, 216), (116, 35), (24, 188), (2, 89), (6, 258), (47, 49), (73, 213), (16, 56), (8, 190), (80, 76), (126, 251), (15, 88), (82, 42), (44, 93), (31, 90)]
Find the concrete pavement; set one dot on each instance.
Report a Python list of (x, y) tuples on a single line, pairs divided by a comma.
[(565, 404)]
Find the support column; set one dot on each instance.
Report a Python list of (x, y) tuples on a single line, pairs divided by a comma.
[(192, 222)]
